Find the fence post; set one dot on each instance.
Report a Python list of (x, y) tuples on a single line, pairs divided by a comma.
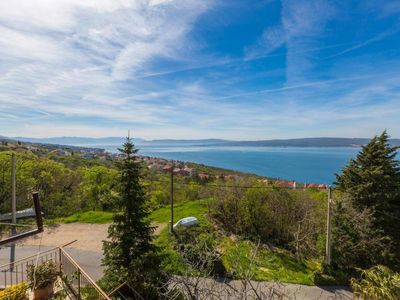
[(328, 228), (172, 198)]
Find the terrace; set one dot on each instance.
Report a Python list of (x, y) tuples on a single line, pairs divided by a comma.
[(73, 283)]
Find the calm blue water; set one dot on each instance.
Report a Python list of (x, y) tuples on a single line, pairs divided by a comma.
[(309, 165)]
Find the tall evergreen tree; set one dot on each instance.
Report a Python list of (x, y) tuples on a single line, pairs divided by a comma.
[(372, 180), (129, 254)]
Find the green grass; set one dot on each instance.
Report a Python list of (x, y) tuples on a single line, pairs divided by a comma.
[(162, 215), (278, 265), (196, 209), (90, 217)]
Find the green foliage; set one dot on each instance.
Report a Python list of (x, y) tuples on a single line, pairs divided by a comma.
[(98, 188), (373, 178), (158, 198), (15, 292), (372, 181), (42, 275), (198, 248), (245, 257), (129, 254), (90, 217), (196, 209), (293, 220), (356, 242), (377, 283), (57, 185)]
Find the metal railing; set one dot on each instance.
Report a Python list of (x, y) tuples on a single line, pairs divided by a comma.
[(39, 223), (16, 272), (80, 283), (75, 278)]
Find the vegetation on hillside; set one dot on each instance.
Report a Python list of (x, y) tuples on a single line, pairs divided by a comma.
[(247, 230), (366, 222)]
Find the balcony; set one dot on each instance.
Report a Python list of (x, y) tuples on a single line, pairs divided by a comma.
[(74, 282)]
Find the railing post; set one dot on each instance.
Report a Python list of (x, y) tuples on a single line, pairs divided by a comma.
[(59, 260), (79, 285)]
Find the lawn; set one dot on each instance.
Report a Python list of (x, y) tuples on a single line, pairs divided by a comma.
[(90, 217), (162, 215), (196, 209)]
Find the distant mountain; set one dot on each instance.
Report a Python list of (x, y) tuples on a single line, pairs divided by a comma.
[(309, 142), (116, 141), (172, 142), (302, 142), (76, 140)]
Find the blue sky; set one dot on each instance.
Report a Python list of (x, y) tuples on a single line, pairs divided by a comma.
[(236, 69)]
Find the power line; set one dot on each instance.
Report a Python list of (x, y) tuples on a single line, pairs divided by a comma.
[(239, 186)]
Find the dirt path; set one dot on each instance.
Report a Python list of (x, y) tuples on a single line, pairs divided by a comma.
[(89, 236)]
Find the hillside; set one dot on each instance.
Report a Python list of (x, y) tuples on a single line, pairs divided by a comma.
[(300, 142)]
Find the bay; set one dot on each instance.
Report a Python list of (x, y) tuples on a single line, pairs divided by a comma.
[(303, 164)]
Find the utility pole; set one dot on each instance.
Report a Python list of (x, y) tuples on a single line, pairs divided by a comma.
[(14, 193), (171, 195), (328, 228), (13, 210)]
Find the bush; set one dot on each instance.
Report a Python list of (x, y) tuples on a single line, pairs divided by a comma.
[(377, 283), (290, 219), (44, 275), (199, 250), (356, 242), (16, 292)]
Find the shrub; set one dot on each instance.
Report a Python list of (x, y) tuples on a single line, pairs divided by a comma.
[(44, 275), (198, 248), (293, 220), (16, 292), (377, 283), (356, 242)]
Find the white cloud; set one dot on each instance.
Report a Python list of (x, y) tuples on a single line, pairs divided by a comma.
[(77, 58)]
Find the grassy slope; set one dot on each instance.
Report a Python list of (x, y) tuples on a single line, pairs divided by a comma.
[(90, 217), (160, 216), (279, 265)]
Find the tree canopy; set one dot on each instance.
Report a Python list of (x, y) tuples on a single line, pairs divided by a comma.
[(129, 254)]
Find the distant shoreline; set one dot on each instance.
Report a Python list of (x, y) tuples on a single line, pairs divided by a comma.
[(299, 142)]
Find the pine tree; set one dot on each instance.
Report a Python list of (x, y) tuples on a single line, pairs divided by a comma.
[(372, 180), (129, 254)]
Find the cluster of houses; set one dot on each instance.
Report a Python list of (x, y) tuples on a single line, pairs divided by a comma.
[(60, 150), (179, 168), (293, 184)]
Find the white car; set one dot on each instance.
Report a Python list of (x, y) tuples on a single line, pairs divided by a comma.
[(187, 222)]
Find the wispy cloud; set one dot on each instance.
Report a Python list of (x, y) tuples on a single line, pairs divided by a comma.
[(100, 67)]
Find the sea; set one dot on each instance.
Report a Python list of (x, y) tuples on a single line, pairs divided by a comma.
[(303, 164)]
